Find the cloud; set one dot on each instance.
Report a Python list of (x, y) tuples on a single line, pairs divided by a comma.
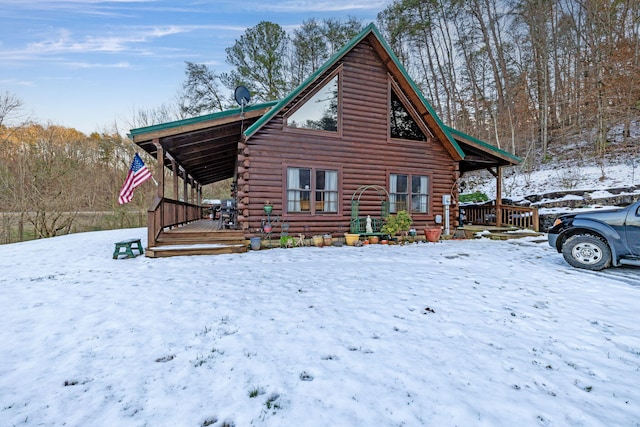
[(127, 40), (309, 6), (15, 82), (98, 65), (65, 42)]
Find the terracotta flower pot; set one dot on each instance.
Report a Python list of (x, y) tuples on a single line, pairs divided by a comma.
[(432, 234)]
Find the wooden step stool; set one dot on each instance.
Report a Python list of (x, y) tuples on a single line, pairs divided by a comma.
[(128, 246)]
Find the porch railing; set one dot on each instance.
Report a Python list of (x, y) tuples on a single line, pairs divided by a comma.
[(514, 216), (167, 213)]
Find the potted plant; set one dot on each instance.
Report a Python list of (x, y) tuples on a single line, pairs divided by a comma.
[(286, 241), (351, 238), (431, 233), (398, 223), (318, 241)]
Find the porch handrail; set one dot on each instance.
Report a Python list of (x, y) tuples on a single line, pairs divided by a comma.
[(167, 213), (515, 216)]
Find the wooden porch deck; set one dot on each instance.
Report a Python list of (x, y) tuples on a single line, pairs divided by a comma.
[(200, 237), (494, 232), (201, 225)]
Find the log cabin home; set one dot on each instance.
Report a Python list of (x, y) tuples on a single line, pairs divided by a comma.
[(356, 139)]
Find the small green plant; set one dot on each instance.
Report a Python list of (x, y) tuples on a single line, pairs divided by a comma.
[(255, 392), (287, 241), (398, 223), (272, 402), (209, 422), (473, 197), (271, 405)]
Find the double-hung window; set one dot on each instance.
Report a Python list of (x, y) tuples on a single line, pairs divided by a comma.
[(312, 190), (409, 193)]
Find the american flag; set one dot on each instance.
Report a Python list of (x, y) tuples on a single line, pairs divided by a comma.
[(138, 173)]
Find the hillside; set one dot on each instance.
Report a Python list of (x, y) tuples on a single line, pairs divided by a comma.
[(571, 175)]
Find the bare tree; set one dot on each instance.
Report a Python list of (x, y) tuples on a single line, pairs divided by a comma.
[(201, 92)]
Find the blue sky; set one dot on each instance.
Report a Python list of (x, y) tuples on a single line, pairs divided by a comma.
[(92, 64)]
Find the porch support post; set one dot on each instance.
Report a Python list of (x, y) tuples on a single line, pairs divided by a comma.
[(185, 195), (176, 193), (499, 196), (194, 201), (155, 216), (159, 167), (193, 191)]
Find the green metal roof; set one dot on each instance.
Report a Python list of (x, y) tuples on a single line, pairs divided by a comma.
[(199, 119), (485, 145)]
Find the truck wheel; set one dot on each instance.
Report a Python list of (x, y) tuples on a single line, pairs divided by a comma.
[(587, 251)]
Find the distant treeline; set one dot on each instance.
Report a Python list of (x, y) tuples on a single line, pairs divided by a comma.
[(56, 180)]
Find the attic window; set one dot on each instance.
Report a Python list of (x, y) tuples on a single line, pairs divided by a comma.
[(320, 112), (401, 123)]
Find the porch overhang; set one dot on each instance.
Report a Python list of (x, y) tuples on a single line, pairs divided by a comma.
[(204, 147), (480, 155)]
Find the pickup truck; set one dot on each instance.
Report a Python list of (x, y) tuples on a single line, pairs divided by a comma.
[(598, 239)]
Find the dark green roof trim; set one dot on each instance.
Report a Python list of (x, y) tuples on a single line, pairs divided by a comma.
[(371, 28), (199, 119), (485, 145)]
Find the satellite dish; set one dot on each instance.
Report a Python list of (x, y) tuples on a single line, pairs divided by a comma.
[(242, 96)]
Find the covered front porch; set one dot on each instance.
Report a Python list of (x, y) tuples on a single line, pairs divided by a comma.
[(190, 154), (480, 156)]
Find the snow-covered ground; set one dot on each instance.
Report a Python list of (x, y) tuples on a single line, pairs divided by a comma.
[(456, 333)]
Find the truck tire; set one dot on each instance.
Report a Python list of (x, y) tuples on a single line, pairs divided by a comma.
[(587, 251)]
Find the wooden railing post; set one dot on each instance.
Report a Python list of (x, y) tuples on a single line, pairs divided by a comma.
[(499, 197)]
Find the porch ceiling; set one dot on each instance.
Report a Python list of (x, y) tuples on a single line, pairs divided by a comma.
[(476, 159), (480, 155), (205, 147)]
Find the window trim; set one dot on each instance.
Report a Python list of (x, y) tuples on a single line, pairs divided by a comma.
[(410, 173), (313, 166), (394, 87), (325, 133)]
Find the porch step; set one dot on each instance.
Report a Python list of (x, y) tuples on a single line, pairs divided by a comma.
[(184, 241), (497, 233), (516, 235), (194, 239), (176, 250)]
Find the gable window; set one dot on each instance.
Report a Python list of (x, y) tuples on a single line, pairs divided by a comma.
[(311, 190), (320, 111), (409, 193), (401, 123)]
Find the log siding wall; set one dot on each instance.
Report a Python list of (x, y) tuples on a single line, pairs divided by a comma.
[(361, 151)]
